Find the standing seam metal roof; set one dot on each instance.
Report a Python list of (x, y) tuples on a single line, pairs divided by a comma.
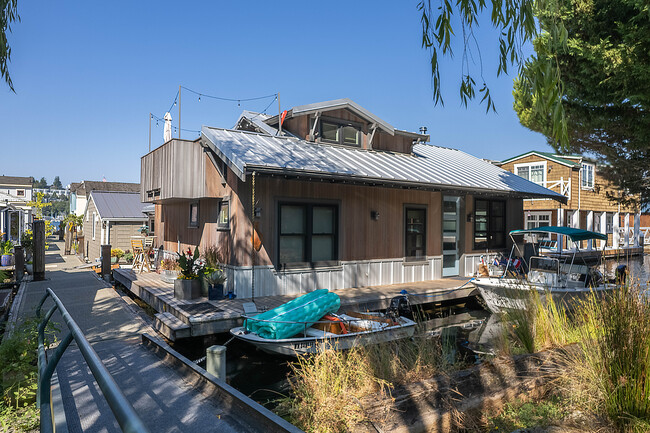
[(428, 166), (118, 205)]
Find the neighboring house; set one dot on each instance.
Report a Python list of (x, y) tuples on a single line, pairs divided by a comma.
[(341, 199), (52, 191), (112, 218), (587, 206), (15, 194), (80, 192)]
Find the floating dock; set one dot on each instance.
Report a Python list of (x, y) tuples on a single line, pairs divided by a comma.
[(177, 319)]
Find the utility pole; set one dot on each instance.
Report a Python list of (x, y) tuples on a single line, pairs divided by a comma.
[(150, 132), (179, 111), (279, 114)]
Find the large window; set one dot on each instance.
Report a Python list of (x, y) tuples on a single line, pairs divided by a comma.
[(587, 175), (223, 217), (415, 233), (333, 132), (534, 172), (308, 234), (489, 224)]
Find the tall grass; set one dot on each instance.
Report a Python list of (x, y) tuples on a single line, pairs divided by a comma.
[(327, 387)]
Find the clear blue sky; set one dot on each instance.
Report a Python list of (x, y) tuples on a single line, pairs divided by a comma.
[(87, 74)]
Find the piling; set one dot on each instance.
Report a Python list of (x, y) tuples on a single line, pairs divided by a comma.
[(215, 361), (39, 250), (19, 268), (106, 261)]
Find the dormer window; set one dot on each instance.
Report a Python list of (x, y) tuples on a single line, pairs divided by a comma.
[(335, 132)]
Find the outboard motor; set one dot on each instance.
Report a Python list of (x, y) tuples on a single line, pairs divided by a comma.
[(621, 274), (399, 306)]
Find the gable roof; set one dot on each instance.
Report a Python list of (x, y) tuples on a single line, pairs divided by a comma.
[(118, 205), (16, 180), (560, 159), (87, 186), (429, 167)]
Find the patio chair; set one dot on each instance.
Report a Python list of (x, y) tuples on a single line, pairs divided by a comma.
[(138, 254), (147, 251)]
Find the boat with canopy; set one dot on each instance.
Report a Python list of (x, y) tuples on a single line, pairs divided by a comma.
[(563, 275)]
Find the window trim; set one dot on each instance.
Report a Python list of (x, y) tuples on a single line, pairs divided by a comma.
[(223, 226), (94, 224), (20, 193), (531, 164), (582, 175), (309, 205), (405, 208), (190, 224), (488, 228)]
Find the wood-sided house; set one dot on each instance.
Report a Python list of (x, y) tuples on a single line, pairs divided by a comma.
[(338, 198), (587, 206), (112, 218)]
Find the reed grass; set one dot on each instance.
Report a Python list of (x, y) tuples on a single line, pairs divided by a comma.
[(328, 386)]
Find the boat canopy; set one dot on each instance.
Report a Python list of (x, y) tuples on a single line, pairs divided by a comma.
[(573, 234)]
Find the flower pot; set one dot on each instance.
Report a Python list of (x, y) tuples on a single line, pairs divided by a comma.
[(168, 276), (187, 289), (7, 260), (114, 259), (215, 291)]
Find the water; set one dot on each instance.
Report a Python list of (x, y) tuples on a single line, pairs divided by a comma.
[(638, 268)]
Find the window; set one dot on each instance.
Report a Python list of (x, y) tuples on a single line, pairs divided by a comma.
[(223, 217), (152, 225), (609, 227), (308, 234), (538, 219), (20, 192), (534, 172), (587, 175), (194, 215), (333, 132), (489, 224), (415, 233), (569, 218)]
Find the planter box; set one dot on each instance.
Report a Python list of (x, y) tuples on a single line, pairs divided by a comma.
[(215, 291), (7, 260), (187, 289)]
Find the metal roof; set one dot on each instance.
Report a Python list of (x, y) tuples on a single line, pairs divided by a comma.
[(116, 205), (16, 180), (428, 167), (344, 103)]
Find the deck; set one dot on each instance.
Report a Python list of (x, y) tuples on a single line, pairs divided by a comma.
[(200, 317)]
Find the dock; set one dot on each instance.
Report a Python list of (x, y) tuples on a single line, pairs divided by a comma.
[(177, 319)]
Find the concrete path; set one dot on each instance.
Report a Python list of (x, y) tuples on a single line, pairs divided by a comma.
[(159, 394)]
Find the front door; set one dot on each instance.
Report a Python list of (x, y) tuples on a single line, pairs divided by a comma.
[(450, 234)]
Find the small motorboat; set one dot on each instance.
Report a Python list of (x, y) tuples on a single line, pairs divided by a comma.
[(288, 330), (561, 276)]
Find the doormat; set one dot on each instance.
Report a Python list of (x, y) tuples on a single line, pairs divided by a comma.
[(199, 308)]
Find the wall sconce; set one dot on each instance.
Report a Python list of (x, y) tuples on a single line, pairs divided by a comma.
[(470, 217), (549, 168), (258, 212), (374, 215)]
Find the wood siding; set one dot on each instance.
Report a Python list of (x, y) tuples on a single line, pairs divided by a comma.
[(176, 169)]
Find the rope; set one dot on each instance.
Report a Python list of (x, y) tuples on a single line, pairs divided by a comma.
[(404, 292)]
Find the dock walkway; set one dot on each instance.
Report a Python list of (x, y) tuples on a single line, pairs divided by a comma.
[(166, 399), (178, 319)]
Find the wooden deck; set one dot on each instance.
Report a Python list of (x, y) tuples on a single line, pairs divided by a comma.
[(205, 317)]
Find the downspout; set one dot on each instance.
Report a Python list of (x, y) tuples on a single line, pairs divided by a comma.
[(253, 236)]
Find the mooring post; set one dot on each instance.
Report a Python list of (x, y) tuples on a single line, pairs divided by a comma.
[(39, 250), (19, 265), (106, 261), (215, 361)]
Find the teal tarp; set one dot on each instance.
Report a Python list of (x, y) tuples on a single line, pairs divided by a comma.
[(574, 234), (307, 308)]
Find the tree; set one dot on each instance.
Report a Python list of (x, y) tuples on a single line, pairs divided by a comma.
[(8, 15), (605, 71), (41, 183), (57, 183), (515, 21)]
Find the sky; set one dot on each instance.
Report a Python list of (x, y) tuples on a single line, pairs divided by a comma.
[(87, 75)]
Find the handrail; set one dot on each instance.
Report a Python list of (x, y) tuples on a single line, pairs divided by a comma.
[(125, 415)]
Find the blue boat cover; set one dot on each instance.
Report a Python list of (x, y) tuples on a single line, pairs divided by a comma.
[(574, 234), (306, 310)]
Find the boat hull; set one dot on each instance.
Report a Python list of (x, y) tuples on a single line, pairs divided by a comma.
[(502, 294), (308, 345)]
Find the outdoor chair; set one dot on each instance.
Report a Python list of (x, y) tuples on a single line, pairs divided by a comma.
[(138, 254)]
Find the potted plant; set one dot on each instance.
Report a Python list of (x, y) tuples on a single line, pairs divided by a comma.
[(215, 279), (7, 254), (168, 270), (188, 285), (144, 230), (128, 256), (27, 241), (116, 255)]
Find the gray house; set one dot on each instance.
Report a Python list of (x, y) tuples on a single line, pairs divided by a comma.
[(112, 218)]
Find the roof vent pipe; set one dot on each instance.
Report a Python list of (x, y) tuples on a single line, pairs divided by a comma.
[(423, 129)]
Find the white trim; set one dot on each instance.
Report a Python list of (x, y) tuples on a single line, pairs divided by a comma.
[(94, 224), (532, 164), (546, 158), (593, 175)]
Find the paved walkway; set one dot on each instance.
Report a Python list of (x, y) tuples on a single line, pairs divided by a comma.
[(159, 394)]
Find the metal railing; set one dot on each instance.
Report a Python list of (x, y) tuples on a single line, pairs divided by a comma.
[(125, 415)]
